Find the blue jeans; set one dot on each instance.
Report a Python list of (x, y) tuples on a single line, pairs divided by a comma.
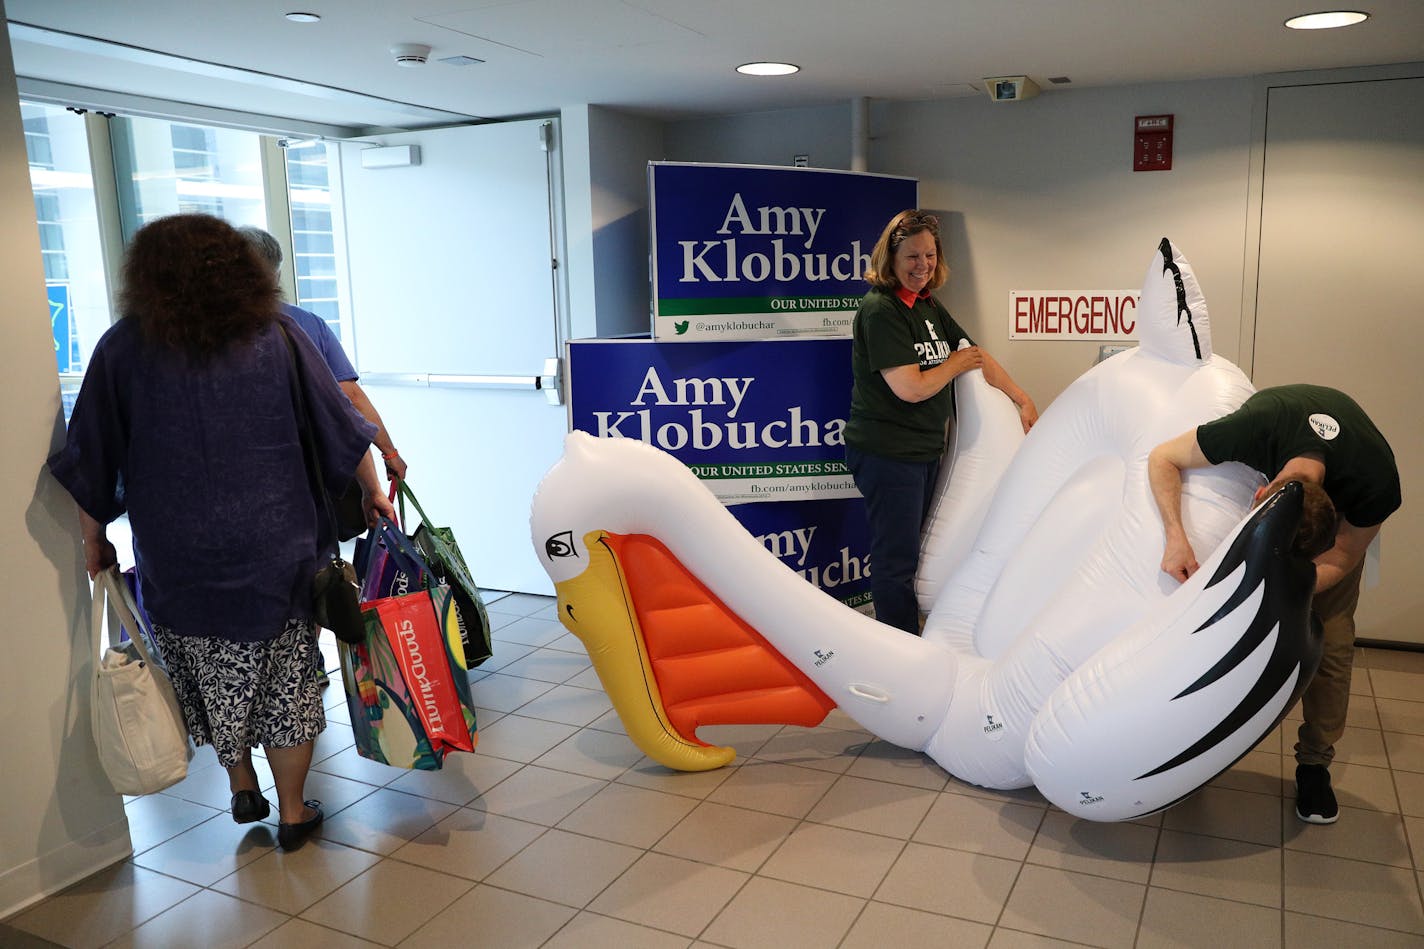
[(897, 501)]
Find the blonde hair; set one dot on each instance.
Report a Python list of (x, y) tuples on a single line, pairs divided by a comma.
[(882, 258)]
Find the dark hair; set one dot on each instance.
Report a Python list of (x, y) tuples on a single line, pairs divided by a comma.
[(196, 285), (1318, 519), (882, 258)]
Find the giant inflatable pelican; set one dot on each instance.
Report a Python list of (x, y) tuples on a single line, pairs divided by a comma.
[(1056, 653)]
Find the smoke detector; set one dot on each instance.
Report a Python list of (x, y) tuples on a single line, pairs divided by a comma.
[(411, 54)]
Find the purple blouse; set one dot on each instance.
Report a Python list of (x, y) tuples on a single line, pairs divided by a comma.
[(206, 460)]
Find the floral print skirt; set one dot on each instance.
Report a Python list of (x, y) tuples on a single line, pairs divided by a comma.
[(236, 696)]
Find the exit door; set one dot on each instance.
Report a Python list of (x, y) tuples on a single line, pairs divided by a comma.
[(1340, 285), (455, 310)]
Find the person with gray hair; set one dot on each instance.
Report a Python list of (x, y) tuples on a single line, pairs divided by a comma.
[(330, 348)]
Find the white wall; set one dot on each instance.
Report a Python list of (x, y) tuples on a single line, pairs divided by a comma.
[(606, 199), (767, 138), (60, 820), (1040, 195)]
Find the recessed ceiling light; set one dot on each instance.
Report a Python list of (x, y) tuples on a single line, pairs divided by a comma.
[(304, 17), (767, 69), (1327, 20)]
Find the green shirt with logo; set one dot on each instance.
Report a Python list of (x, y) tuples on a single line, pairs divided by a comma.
[(1277, 424), (887, 333)]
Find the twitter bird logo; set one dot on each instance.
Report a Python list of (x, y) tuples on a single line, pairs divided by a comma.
[(680, 327)]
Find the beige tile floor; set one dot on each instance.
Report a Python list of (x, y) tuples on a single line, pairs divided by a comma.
[(559, 833)]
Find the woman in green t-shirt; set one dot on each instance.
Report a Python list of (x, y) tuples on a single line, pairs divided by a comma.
[(903, 357)]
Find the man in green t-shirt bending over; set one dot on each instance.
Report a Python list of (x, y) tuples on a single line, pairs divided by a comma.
[(1317, 436)]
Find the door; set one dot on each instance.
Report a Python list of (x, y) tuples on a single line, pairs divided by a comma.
[(1340, 296), (455, 310)]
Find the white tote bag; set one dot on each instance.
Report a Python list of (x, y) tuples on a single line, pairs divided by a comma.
[(138, 725)]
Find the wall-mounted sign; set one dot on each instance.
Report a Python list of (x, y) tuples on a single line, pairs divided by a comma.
[(827, 542), (758, 421), (752, 428), (752, 252), (1100, 315)]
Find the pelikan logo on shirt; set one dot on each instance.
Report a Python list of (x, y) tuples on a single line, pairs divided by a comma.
[(1325, 426)]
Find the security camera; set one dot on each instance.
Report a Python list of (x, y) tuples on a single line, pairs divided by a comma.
[(1010, 88), (410, 54)]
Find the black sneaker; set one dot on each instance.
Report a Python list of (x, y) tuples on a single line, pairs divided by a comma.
[(1314, 801)]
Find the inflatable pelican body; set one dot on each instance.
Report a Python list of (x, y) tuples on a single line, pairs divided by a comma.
[(1055, 653)]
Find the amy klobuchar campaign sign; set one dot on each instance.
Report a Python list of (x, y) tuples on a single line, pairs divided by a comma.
[(756, 421), (753, 252), (751, 428)]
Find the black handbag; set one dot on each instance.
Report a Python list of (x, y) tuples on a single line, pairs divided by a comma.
[(336, 600)]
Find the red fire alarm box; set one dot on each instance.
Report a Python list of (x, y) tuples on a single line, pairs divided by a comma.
[(1152, 143)]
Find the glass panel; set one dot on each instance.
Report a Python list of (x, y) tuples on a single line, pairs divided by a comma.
[(56, 143), (313, 240), (173, 168)]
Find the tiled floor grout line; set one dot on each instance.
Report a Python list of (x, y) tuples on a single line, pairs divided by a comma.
[(1283, 796)]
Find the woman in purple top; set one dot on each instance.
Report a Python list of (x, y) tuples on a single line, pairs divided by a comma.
[(186, 423)]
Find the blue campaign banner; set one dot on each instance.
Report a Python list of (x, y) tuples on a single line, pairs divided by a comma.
[(753, 252), (756, 421), (827, 542), (61, 325)]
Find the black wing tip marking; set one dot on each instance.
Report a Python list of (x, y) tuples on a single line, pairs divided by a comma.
[(1264, 547), (1168, 264)]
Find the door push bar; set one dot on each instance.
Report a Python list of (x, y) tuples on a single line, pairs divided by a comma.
[(550, 381)]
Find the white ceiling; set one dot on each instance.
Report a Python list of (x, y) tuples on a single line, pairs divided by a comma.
[(664, 58)]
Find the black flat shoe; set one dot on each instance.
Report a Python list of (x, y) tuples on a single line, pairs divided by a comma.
[(292, 836), (248, 806)]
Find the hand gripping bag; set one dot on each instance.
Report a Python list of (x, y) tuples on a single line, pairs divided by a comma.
[(138, 725)]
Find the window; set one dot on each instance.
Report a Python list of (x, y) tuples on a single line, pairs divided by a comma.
[(57, 145), (313, 232), (163, 167), (172, 168)]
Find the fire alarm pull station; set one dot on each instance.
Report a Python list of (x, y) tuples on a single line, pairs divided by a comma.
[(1152, 143)]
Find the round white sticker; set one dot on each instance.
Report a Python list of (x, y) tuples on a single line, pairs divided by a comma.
[(1325, 426)]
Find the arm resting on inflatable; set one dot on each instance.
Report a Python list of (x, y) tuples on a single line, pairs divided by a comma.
[(1350, 545), (1165, 465), (998, 377), (913, 384)]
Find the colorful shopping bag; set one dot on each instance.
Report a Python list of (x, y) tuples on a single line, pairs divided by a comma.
[(407, 687), (442, 556), (389, 564)]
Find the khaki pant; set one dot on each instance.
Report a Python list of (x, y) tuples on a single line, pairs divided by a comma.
[(1326, 701)]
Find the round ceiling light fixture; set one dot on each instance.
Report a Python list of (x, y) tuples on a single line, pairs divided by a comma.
[(1326, 20), (768, 69), (299, 17)]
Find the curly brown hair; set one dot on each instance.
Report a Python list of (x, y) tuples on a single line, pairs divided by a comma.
[(195, 284)]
